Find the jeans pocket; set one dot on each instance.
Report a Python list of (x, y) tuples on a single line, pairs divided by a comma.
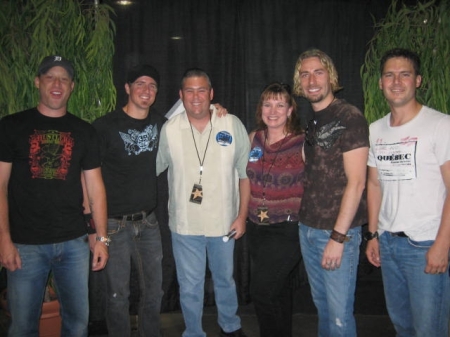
[(150, 220), (421, 244), (114, 226)]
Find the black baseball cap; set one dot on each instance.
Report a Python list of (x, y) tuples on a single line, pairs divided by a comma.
[(142, 70), (54, 60)]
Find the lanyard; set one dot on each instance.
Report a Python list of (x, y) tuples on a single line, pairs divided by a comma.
[(206, 149), (266, 176)]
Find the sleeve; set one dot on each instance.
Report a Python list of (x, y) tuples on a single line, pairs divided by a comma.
[(162, 158), (101, 136), (356, 134), (242, 148), (6, 153), (92, 158), (442, 140)]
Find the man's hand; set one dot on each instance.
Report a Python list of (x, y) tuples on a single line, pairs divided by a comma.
[(373, 252), (100, 256), (239, 225), (332, 255), (9, 256), (437, 259)]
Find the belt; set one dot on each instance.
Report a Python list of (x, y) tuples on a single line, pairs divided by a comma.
[(399, 234), (133, 217), (288, 220)]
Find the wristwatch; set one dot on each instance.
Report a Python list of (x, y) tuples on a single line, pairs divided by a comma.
[(369, 236), (105, 239)]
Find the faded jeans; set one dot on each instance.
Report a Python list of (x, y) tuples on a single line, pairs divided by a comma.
[(69, 263), (333, 291), (140, 242), (191, 252), (418, 303)]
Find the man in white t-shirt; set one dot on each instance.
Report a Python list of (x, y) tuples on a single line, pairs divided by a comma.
[(408, 194)]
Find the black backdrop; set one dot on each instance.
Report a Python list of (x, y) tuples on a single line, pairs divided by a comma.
[(243, 45)]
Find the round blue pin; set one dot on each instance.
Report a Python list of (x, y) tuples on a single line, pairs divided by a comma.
[(255, 154), (224, 138)]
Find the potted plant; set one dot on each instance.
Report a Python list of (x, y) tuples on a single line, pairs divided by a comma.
[(50, 321)]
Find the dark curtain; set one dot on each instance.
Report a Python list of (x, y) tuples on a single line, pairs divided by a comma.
[(243, 45)]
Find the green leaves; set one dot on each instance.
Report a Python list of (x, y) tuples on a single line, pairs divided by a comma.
[(33, 29), (425, 29)]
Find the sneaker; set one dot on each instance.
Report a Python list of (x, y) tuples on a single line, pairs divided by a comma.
[(237, 333)]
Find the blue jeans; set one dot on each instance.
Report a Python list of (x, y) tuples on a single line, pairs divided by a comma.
[(333, 291), (190, 252), (275, 253), (418, 303), (140, 242), (69, 263)]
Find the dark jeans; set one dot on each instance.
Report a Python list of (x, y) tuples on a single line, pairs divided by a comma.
[(274, 253), (139, 241)]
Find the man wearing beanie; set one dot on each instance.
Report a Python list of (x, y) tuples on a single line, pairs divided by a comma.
[(128, 144), (43, 153)]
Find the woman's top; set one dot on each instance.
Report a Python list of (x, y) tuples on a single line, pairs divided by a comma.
[(276, 179)]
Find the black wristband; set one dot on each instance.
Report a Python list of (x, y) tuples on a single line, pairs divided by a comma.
[(90, 224)]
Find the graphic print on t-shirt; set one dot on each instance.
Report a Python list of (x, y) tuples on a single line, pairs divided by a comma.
[(327, 134), (50, 154), (396, 161), (140, 141)]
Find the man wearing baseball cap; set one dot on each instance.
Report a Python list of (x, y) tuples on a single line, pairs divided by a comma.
[(44, 151), (128, 144)]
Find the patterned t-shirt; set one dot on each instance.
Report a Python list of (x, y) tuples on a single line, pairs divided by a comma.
[(337, 129), (277, 171), (44, 190)]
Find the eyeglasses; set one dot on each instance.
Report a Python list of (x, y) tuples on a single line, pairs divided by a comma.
[(310, 132)]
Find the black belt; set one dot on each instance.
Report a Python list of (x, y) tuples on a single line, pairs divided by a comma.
[(133, 217), (399, 234)]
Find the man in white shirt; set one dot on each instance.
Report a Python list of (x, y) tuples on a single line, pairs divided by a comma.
[(208, 196), (409, 202)]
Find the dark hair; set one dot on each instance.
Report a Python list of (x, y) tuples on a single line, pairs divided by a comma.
[(195, 72), (401, 52), (279, 90)]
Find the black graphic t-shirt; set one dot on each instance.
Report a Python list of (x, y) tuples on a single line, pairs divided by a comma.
[(44, 190), (128, 149), (339, 128)]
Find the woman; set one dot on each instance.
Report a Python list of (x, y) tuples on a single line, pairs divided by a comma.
[(275, 170)]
